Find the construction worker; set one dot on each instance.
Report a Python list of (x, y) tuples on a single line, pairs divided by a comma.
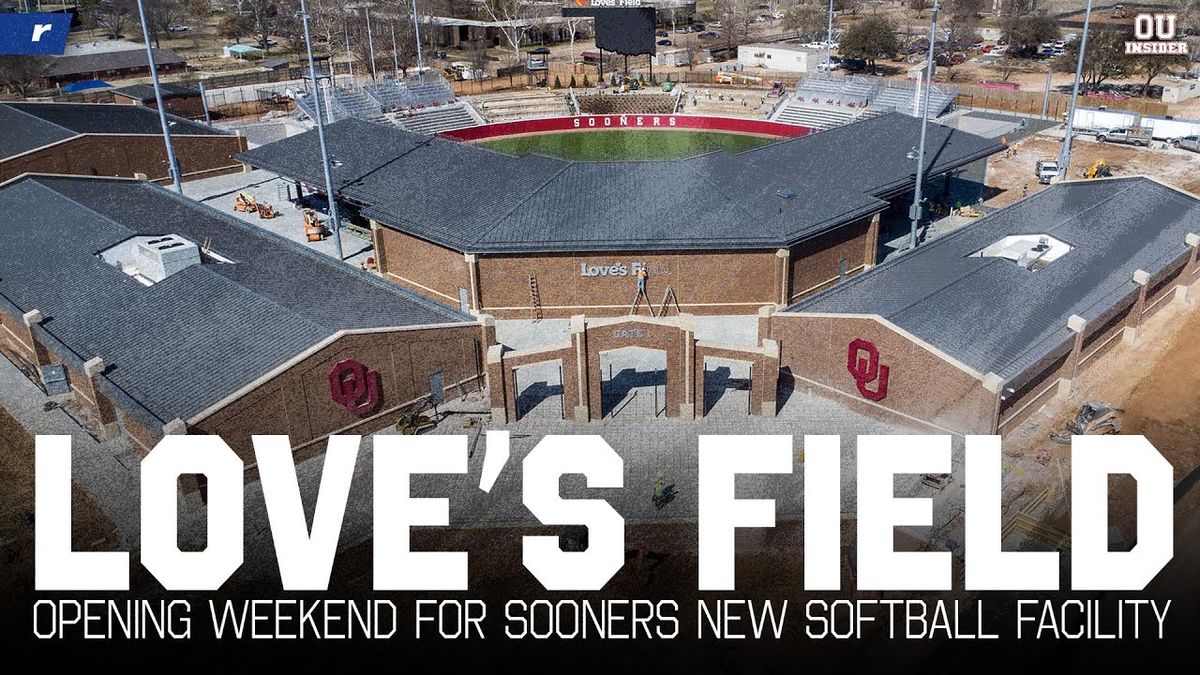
[(641, 280)]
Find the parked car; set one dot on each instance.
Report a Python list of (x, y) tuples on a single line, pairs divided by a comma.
[(664, 43), (661, 33), (710, 35), (178, 28), (1126, 135), (1187, 143), (683, 30)]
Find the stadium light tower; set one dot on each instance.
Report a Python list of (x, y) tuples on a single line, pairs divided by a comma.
[(172, 162), (1064, 156), (417, 31), (312, 72), (914, 211)]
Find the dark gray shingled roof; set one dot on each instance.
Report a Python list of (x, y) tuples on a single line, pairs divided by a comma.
[(476, 200), (21, 132), (145, 92), (995, 316), (111, 118), (186, 342), (97, 62)]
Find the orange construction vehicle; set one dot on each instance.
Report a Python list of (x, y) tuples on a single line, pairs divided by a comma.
[(266, 211), (314, 229), (245, 203)]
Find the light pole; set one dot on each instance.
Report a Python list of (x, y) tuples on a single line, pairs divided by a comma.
[(172, 162), (829, 40), (312, 72), (371, 43), (914, 211), (1064, 157), (417, 30)]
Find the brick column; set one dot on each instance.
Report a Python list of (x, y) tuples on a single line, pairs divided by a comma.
[(687, 398), (994, 384), (106, 414), (783, 274), (764, 322), (497, 387), (1142, 279), (189, 485), (579, 343), (1078, 325), (767, 383), (1189, 270), (871, 254), (473, 271), (377, 244), (40, 356)]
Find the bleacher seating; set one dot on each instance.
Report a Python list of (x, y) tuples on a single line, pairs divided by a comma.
[(726, 102), (438, 119), (816, 117), (522, 105), (372, 101)]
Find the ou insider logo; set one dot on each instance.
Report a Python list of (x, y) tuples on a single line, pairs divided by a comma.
[(1154, 26)]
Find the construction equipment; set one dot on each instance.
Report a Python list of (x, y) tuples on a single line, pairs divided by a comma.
[(245, 203), (314, 228), (535, 298), (266, 211), (1093, 419), (1098, 169), (369, 265)]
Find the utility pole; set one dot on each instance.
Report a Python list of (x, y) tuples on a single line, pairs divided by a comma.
[(829, 39), (914, 212), (172, 162), (312, 72), (1064, 157)]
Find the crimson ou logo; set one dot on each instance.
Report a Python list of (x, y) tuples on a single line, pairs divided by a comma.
[(354, 387), (862, 360)]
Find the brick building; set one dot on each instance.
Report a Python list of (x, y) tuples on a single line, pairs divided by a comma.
[(977, 330), (151, 314), (178, 99), (107, 60), (516, 237), (109, 140)]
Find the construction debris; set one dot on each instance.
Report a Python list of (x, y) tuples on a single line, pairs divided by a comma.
[(245, 203), (1093, 418)]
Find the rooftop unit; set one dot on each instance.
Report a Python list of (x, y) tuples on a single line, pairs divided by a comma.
[(1028, 251), (152, 259)]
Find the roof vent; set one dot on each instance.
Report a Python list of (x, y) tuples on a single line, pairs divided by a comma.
[(152, 259), (1027, 251), (785, 193)]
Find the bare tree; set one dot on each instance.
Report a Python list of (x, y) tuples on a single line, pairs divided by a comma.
[(110, 16), (265, 16), (515, 18), (573, 24), (161, 15), (18, 73)]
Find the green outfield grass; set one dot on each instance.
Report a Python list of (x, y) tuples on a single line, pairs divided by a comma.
[(626, 144)]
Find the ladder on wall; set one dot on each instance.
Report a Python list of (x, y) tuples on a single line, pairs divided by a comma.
[(638, 297), (669, 299), (535, 298)]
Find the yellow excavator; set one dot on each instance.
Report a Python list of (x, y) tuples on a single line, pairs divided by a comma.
[(1098, 169)]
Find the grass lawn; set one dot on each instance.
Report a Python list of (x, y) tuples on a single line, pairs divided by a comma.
[(626, 144)]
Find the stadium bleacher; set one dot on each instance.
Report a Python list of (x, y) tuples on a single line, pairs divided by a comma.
[(438, 119), (511, 106), (827, 101)]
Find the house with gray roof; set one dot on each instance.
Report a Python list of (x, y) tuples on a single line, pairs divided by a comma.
[(974, 331), (163, 313), (98, 139)]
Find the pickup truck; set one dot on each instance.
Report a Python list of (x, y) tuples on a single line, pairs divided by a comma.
[(1046, 171), (1188, 143), (1126, 135)]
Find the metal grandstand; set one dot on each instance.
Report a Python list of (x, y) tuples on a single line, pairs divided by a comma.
[(827, 101), (373, 102)]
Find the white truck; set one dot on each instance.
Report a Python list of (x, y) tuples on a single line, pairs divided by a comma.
[(1095, 120)]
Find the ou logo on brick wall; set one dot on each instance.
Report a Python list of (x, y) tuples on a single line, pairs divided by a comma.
[(862, 360), (354, 387)]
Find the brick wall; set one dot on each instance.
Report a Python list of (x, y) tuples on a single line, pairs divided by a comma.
[(125, 155), (815, 263), (433, 271)]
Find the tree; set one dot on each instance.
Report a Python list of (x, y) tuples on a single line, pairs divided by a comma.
[(1151, 66), (806, 20), (919, 6), (869, 38), (17, 73), (1008, 65), (110, 16), (1105, 58), (516, 18), (1025, 34), (161, 15), (264, 17), (962, 16), (737, 20), (234, 26)]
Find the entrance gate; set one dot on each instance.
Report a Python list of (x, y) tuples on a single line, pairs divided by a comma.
[(680, 358)]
